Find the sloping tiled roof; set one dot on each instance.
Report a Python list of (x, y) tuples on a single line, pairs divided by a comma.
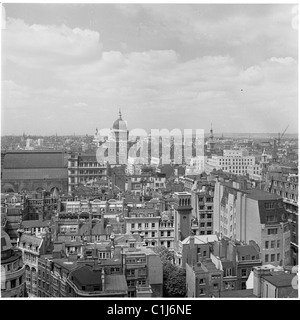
[(281, 279), (247, 251), (86, 276), (35, 223), (24, 174), (33, 159), (257, 194), (28, 238)]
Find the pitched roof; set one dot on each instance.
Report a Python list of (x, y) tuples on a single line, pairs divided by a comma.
[(258, 194), (201, 239), (31, 239), (86, 276), (35, 223), (34, 159), (280, 279), (247, 250)]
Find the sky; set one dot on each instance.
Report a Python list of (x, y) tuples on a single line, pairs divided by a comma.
[(69, 68)]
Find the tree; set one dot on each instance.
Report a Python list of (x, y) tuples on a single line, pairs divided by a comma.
[(174, 277), (174, 280), (164, 253)]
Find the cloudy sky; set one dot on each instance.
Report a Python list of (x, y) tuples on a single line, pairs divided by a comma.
[(69, 67)]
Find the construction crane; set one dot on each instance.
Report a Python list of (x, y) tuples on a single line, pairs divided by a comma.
[(276, 144), (280, 136)]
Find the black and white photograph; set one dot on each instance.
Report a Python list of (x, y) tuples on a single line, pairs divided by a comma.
[(149, 151)]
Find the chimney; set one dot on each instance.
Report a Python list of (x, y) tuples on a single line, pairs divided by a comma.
[(103, 279), (258, 272), (192, 250)]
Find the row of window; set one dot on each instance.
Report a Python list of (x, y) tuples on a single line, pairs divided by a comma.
[(10, 266), (273, 257), (146, 225), (203, 225), (203, 207), (205, 216), (208, 199), (272, 244), (12, 283)]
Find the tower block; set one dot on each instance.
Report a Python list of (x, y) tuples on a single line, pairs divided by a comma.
[(183, 215)]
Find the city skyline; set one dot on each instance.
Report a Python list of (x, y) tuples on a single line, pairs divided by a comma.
[(69, 67)]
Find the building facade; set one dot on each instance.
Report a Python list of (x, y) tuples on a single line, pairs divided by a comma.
[(12, 269), (253, 214)]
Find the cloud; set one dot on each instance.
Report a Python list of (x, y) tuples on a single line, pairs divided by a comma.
[(51, 71), (40, 46)]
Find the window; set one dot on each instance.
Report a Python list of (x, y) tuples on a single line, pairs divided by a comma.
[(152, 225), (209, 232), (208, 216), (209, 224), (202, 224), (139, 225), (201, 207), (146, 225), (272, 231), (243, 286), (132, 226), (201, 292), (202, 216), (244, 272), (266, 244), (201, 281), (216, 286), (209, 208), (278, 256), (204, 253), (269, 205), (266, 258), (13, 283), (278, 243), (273, 244), (168, 244), (161, 233), (272, 257), (168, 233), (271, 218), (152, 234)]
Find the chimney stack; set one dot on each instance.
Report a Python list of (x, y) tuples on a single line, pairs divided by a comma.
[(103, 279)]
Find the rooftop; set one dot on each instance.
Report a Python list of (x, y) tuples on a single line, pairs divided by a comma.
[(280, 279), (257, 194), (201, 239), (248, 293), (34, 159)]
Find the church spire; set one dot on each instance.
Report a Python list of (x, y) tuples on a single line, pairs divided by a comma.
[(120, 114)]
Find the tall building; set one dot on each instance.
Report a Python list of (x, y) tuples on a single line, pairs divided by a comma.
[(202, 198), (32, 247), (183, 215), (232, 161), (83, 168), (284, 183), (252, 214), (211, 142), (12, 269)]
